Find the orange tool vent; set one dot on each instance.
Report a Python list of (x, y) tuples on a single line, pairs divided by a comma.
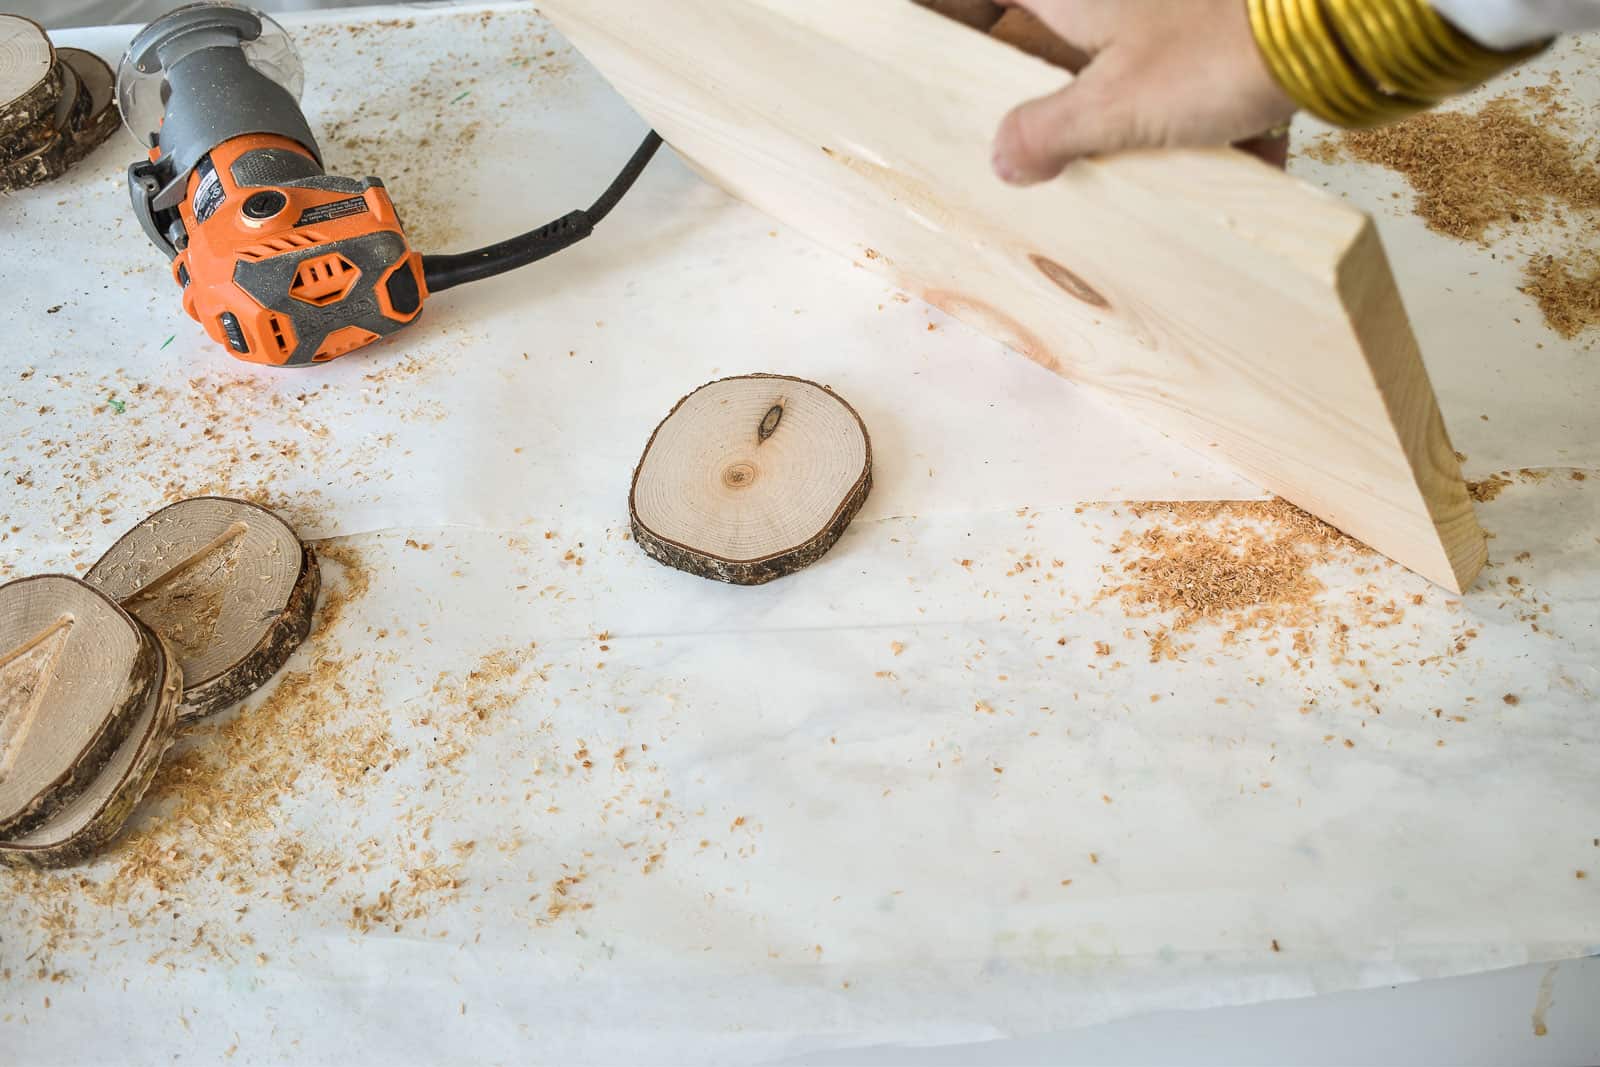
[(282, 338), (342, 340), (324, 280), (275, 246)]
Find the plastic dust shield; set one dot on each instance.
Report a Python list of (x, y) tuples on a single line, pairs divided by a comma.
[(142, 89)]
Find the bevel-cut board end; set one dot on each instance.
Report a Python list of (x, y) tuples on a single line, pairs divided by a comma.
[(1221, 301)]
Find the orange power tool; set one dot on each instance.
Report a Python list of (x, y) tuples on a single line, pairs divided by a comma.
[(281, 262)]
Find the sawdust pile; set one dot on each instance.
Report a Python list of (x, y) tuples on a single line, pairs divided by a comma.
[(1567, 289), (1240, 568), (1515, 162), (1488, 488), (1481, 170), (1247, 561)]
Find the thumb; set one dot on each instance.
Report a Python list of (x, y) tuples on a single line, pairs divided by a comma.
[(1039, 138)]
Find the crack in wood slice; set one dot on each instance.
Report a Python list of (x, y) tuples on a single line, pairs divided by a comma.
[(750, 478), (66, 714), (227, 583), (30, 75), (83, 827)]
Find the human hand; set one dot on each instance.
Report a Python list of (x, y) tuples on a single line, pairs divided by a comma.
[(1160, 75)]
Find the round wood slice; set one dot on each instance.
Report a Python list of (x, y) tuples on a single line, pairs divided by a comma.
[(78, 830), (99, 117), (75, 671), (30, 76), (748, 479), (226, 583), (29, 139)]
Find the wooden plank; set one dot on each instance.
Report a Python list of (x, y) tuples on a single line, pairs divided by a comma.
[(1225, 303)]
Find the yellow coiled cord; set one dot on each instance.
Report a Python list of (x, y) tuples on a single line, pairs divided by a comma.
[(1357, 63)]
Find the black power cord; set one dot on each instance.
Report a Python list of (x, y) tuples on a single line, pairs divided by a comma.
[(445, 272)]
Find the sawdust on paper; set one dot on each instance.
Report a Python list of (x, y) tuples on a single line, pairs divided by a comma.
[(1240, 566), (1476, 173), (1518, 165), (322, 795), (218, 433), (422, 142)]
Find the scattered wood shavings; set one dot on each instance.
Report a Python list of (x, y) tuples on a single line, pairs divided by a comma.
[(1474, 172), (1478, 175)]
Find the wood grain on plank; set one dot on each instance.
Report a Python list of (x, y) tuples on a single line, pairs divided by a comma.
[(1227, 304)]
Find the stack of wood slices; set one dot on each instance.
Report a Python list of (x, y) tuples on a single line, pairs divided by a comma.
[(56, 105), (189, 612)]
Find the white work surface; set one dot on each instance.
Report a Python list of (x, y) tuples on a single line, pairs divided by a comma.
[(617, 813)]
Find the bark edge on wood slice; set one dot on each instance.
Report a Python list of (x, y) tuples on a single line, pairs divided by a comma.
[(749, 413), (15, 144), (98, 117), (30, 74), (75, 670), (82, 828), (45, 163), (232, 627)]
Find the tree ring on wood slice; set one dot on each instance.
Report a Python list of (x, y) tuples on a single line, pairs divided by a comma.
[(98, 116), (81, 828), (75, 671), (751, 478), (30, 76), (226, 583)]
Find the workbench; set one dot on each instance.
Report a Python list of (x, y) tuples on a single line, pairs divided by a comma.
[(525, 794)]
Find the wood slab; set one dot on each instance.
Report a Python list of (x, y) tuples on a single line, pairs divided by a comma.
[(78, 830), (226, 583), (1225, 303), (30, 76), (75, 671), (750, 478)]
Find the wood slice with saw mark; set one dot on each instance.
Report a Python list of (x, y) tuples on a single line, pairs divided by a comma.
[(226, 583), (99, 116), (75, 671), (81, 828), (30, 76), (751, 478)]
